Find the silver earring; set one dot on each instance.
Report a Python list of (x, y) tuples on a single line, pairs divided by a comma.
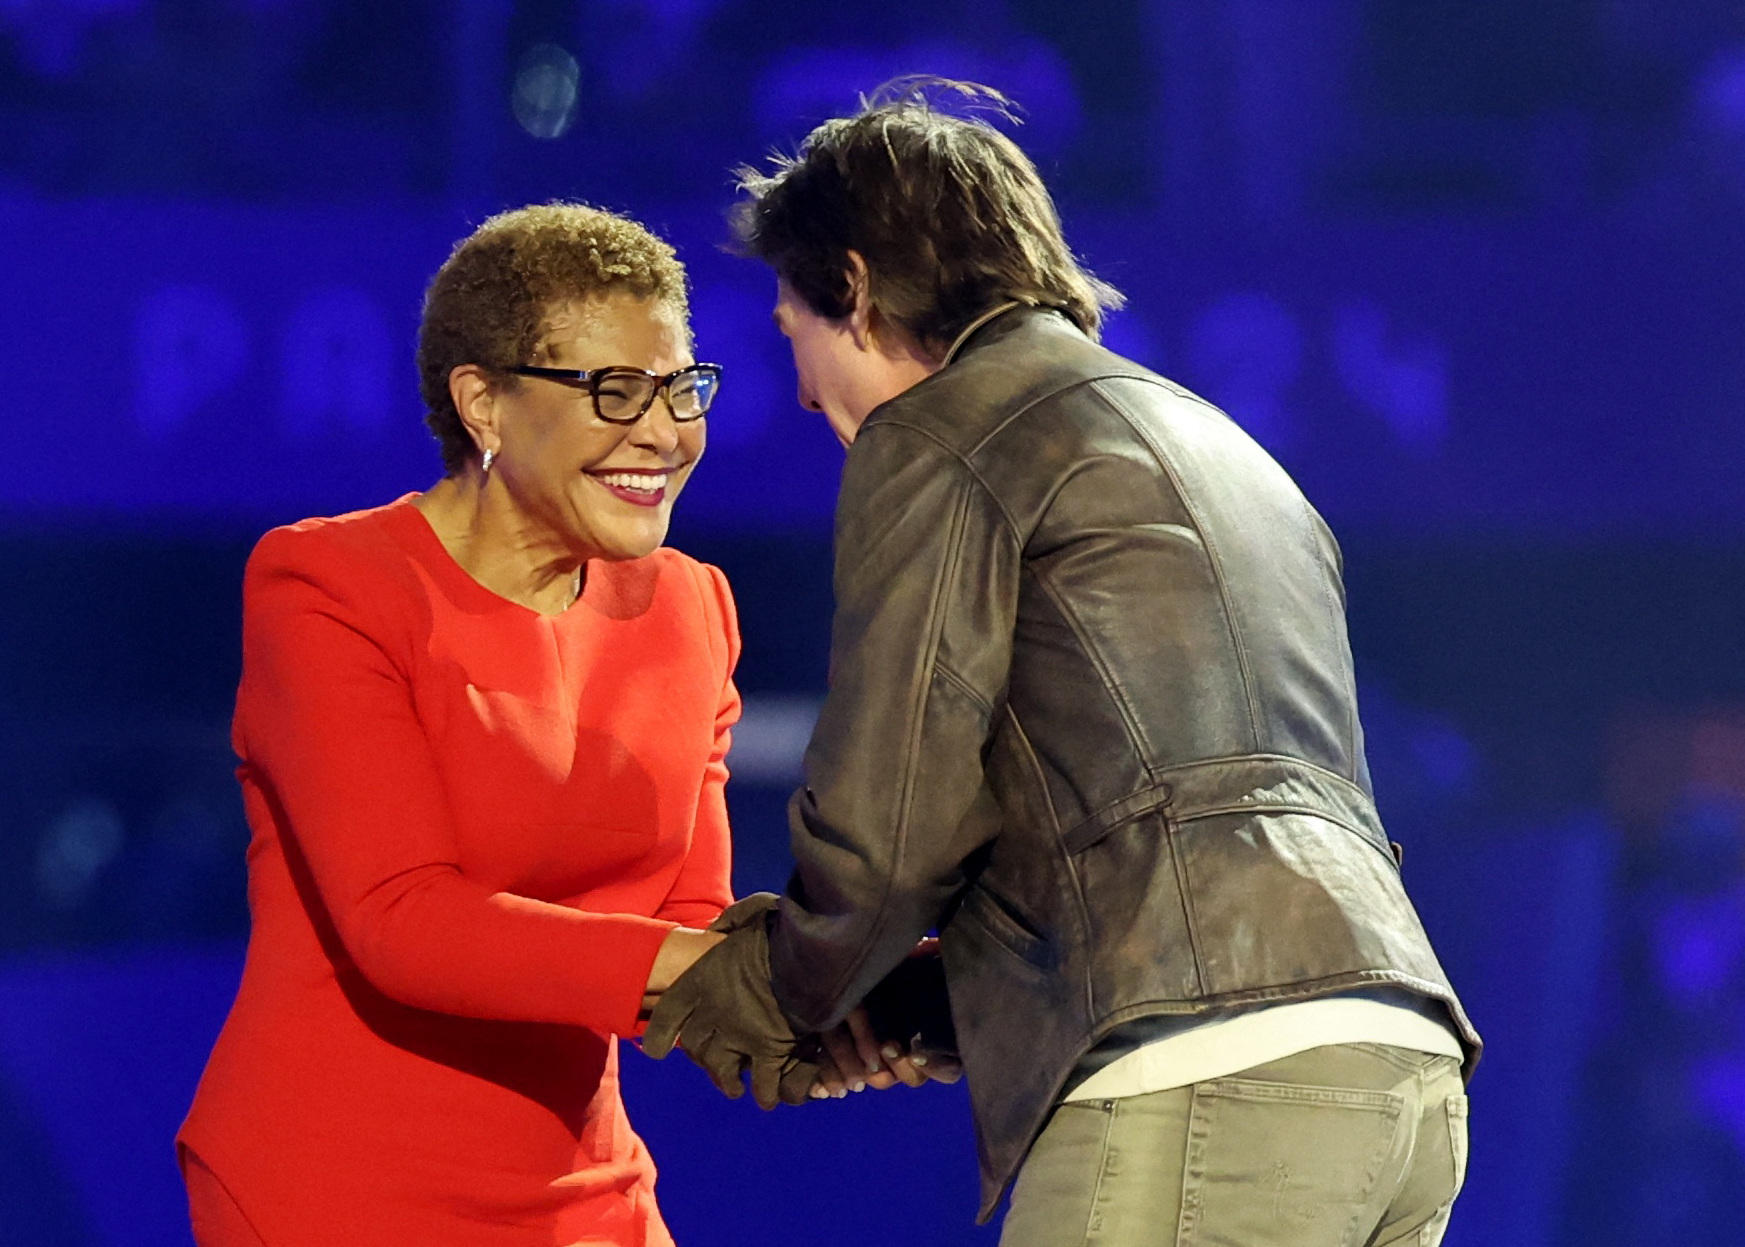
[(490, 457)]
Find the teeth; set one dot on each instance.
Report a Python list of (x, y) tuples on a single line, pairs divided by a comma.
[(636, 481)]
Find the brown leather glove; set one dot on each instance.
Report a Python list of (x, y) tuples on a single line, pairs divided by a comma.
[(723, 1012), (746, 911)]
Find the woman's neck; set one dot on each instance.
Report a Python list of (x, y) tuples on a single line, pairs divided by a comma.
[(499, 546)]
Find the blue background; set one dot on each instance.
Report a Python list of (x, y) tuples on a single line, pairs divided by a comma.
[(1473, 271)]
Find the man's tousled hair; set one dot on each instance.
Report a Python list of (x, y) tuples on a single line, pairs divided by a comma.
[(950, 216)]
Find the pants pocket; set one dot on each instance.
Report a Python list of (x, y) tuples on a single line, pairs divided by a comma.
[(1457, 1139), (1455, 1109), (1055, 1199), (1271, 1164)]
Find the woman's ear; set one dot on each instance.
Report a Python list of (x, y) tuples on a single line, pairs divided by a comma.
[(469, 387), (860, 309)]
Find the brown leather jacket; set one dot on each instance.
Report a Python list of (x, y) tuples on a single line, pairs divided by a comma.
[(1092, 715)]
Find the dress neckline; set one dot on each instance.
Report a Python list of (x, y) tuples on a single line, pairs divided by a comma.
[(423, 544)]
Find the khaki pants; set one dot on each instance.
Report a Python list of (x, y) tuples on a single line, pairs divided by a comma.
[(1352, 1145)]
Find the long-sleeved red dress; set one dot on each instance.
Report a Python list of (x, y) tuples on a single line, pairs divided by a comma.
[(473, 825)]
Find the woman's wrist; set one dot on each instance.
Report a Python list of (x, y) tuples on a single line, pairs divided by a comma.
[(680, 950)]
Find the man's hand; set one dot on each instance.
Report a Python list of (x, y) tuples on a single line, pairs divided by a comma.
[(723, 1012)]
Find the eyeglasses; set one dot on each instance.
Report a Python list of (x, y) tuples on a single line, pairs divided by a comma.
[(621, 394)]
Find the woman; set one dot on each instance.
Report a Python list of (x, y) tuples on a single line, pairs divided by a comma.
[(481, 733)]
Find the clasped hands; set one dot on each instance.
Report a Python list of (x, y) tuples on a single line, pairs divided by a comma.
[(723, 1013)]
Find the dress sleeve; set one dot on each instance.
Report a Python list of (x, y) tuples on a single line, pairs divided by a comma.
[(704, 886), (326, 728)]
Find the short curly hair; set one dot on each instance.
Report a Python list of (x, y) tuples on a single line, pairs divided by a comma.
[(488, 304)]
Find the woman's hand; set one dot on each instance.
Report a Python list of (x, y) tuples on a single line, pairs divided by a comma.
[(678, 952), (900, 1033), (852, 1058)]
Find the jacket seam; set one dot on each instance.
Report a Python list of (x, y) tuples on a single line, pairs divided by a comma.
[(1066, 860), (1266, 755), (899, 840), (1336, 617), (1190, 915), (1213, 557), (1094, 655), (966, 457), (968, 468), (1286, 807), (889, 417), (1027, 408), (1129, 720)]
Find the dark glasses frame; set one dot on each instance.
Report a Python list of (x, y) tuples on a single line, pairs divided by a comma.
[(591, 380)]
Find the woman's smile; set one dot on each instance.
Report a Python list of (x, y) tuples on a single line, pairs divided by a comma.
[(642, 487)]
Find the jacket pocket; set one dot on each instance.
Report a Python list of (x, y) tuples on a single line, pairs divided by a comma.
[(997, 919)]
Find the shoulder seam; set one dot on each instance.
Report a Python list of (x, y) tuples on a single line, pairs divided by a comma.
[(968, 468)]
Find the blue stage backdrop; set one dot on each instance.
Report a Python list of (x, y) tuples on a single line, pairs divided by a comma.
[(1475, 273), (1541, 377)]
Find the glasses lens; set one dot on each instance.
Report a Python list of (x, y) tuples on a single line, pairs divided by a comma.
[(622, 395), (692, 391)]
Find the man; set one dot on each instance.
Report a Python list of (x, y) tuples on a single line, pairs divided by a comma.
[(1092, 717)]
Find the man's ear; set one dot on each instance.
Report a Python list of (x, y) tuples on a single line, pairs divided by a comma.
[(469, 387), (860, 310)]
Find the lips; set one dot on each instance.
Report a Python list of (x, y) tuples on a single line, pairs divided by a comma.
[(641, 489)]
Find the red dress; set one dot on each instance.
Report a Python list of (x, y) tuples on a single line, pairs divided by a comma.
[(473, 825)]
